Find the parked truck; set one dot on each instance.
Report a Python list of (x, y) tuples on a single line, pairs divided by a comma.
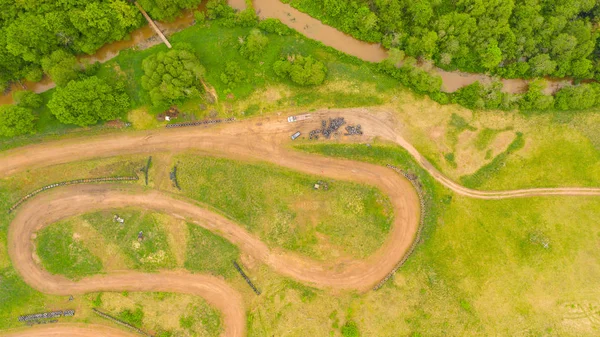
[(292, 119)]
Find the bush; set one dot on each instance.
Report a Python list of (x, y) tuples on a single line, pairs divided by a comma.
[(253, 45), (233, 74), (301, 70), (134, 318), (218, 9), (534, 99), (350, 329), (27, 99), (274, 26), (246, 18), (200, 17), (15, 120), (87, 101)]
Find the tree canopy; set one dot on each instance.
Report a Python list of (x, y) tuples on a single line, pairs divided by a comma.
[(253, 45), (61, 66), (15, 120), (510, 38), (172, 76), (88, 101), (301, 70), (31, 31), (27, 99)]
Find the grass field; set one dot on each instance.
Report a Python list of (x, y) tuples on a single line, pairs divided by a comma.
[(61, 251), (284, 210), (209, 253), (522, 267), (558, 149), (152, 253)]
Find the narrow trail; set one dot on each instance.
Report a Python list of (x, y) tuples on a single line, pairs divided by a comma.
[(263, 139)]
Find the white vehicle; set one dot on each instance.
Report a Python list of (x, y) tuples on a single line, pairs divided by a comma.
[(292, 119), (296, 135)]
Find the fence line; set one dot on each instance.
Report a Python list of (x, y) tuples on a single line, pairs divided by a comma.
[(118, 321), (239, 269), (415, 182), (210, 121), (70, 182)]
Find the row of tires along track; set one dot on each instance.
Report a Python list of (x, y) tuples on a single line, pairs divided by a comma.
[(71, 182), (418, 187), (120, 322), (206, 122)]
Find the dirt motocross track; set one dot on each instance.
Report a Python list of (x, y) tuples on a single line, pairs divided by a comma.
[(262, 139)]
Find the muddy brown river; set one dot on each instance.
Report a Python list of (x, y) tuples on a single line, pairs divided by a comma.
[(310, 27)]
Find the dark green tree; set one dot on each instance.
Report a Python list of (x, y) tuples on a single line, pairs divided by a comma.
[(61, 66), (579, 97), (88, 101), (15, 120), (172, 76)]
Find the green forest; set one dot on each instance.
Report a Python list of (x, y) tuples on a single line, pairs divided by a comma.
[(35, 35), (508, 38)]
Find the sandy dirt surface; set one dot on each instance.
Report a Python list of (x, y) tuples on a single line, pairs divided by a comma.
[(68, 330), (255, 139)]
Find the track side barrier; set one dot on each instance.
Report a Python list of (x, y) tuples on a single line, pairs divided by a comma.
[(206, 122), (239, 269), (414, 181), (118, 321), (71, 182)]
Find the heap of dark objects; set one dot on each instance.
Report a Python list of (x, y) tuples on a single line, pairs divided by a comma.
[(353, 130), (327, 129)]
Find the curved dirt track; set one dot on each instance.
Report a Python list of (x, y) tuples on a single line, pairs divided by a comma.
[(252, 139), (49, 208)]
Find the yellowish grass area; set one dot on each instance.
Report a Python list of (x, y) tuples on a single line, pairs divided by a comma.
[(109, 253), (560, 149), (141, 119)]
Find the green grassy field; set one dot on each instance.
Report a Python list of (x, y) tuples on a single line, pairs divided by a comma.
[(152, 253), (62, 252), (521, 267), (558, 149), (203, 244), (284, 210), (512, 267)]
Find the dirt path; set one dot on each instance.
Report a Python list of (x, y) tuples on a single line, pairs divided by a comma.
[(62, 203), (263, 139), (70, 330)]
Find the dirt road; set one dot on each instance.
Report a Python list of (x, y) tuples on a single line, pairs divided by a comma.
[(70, 330), (262, 139)]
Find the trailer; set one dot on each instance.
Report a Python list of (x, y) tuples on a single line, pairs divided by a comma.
[(292, 119)]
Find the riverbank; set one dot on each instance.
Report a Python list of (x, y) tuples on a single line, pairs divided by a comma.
[(306, 25)]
